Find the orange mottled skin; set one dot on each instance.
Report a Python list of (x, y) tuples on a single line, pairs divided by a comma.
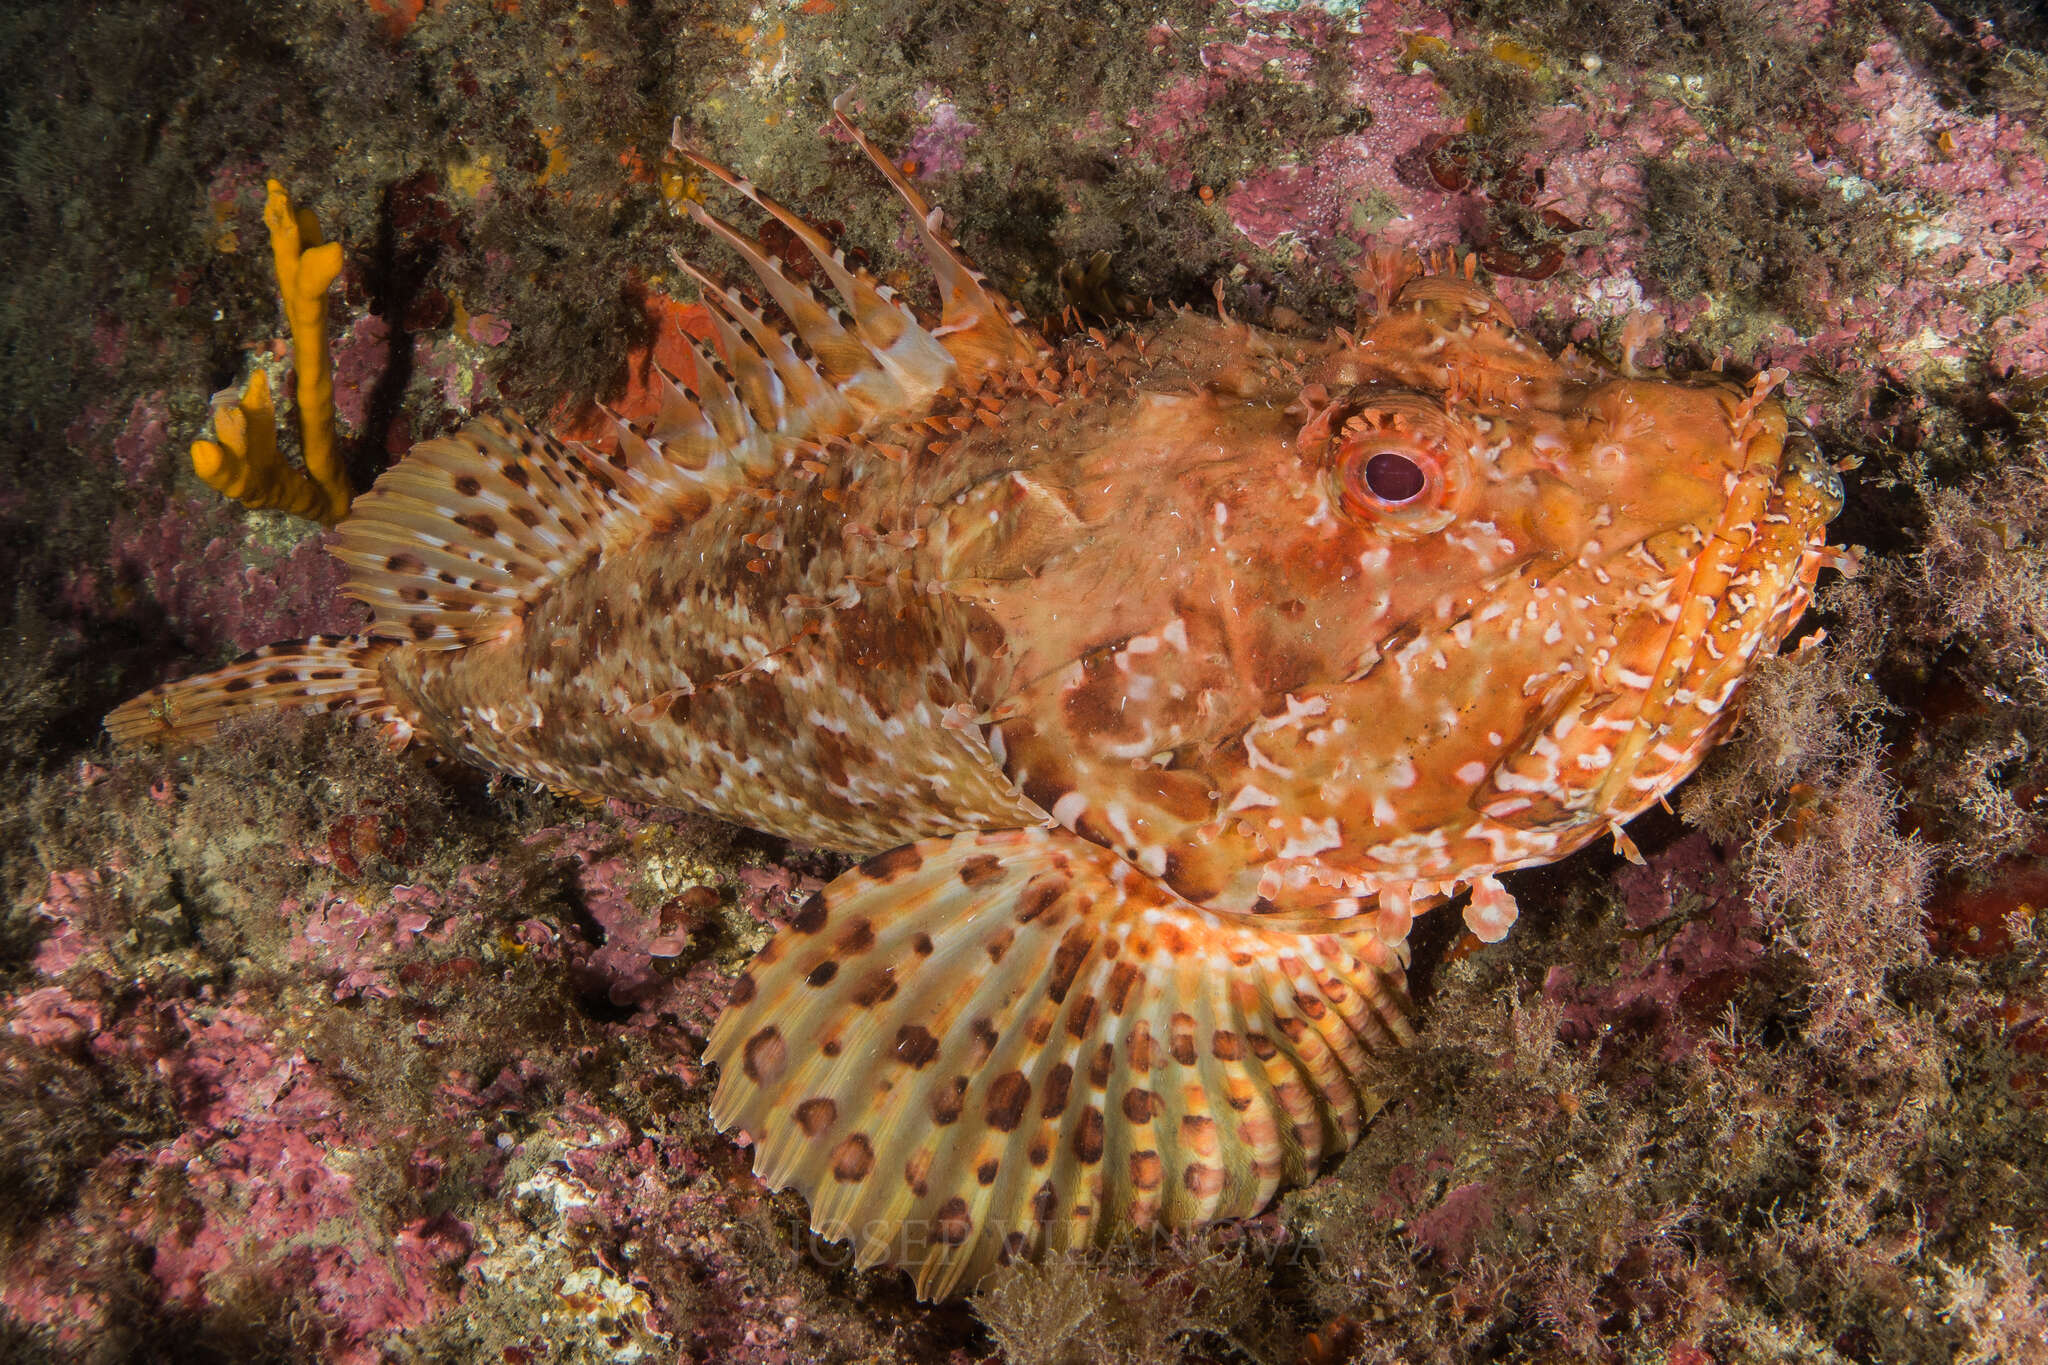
[(1165, 677), (1144, 591), (1276, 702)]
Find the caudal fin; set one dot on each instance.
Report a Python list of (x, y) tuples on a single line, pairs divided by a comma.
[(1003, 1043), (325, 673)]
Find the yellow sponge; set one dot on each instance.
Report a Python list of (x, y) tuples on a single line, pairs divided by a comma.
[(243, 460)]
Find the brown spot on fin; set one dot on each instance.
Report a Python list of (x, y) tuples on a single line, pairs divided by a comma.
[(325, 673), (1113, 1070), (458, 536)]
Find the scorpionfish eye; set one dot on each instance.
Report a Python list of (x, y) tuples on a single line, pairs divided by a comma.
[(1399, 466), (1393, 478)]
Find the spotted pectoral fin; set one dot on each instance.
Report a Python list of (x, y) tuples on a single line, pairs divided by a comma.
[(1002, 1043)]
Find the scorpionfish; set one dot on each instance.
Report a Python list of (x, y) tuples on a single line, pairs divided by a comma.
[(1160, 678)]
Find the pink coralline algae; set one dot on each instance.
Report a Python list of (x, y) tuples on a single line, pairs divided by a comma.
[(136, 443), (1176, 118), (357, 946), (632, 937), (143, 443), (488, 329), (772, 893), (1692, 935), (940, 146), (255, 1189), (200, 569), (1342, 190), (262, 1155), (215, 585), (53, 1017), (1365, 187), (1975, 191), (290, 1178), (71, 908), (1453, 1228), (361, 355), (1965, 194), (192, 565)]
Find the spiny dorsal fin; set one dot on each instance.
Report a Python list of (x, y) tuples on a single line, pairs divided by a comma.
[(892, 361), (1007, 1042), (458, 539), (889, 333), (759, 381), (811, 409), (979, 326), (844, 360)]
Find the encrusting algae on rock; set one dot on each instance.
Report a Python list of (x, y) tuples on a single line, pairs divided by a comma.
[(1160, 679)]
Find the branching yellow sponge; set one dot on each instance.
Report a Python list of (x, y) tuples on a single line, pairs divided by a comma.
[(243, 460)]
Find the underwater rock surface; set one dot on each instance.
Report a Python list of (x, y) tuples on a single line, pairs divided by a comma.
[(308, 1054)]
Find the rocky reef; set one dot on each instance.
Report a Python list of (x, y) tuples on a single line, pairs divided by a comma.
[(308, 1052)]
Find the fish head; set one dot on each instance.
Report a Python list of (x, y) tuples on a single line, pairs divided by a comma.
[(1537, 589), (1369, 621)]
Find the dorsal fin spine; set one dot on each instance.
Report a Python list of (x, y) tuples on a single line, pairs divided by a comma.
[(760, 387), (881, 366), (989, 337), (714, 396), (840, 354), (812, 405), (878, 321), (459, 537), (677, 417)]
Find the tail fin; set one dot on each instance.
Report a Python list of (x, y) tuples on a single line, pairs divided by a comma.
[(1008, 1042), (325, 673)]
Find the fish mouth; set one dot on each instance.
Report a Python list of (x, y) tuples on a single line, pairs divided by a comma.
[(1747, 589)]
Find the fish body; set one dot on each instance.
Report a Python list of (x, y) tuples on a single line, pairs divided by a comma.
[(1159, 678)]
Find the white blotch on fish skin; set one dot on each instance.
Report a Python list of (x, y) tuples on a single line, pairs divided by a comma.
[(1250, 797)]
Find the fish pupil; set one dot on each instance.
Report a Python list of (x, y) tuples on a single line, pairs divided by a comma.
[(1393, 478)]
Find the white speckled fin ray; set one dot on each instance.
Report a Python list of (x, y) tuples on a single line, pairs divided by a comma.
[(811, 408), (892, 335), (892, 361), (841, 357), (1004, 1042), (325, 673), (459, 537), (979, 326), (759, 383)]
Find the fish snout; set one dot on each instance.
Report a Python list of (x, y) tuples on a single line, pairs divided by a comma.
[(1802, 465)]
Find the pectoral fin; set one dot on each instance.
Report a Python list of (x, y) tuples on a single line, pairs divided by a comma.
[(996, 1044)]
